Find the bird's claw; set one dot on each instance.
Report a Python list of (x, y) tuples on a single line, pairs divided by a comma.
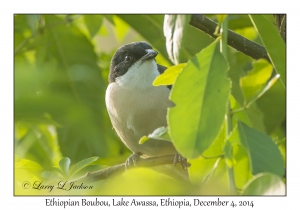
[(182, 160), (132, 160)]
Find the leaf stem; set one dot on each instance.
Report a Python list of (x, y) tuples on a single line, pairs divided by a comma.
[(212, 157)]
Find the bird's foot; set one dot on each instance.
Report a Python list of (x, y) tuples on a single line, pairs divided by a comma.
[(182, 160), (132, 160)]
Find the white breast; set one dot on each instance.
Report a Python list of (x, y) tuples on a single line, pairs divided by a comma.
[(138, 112)]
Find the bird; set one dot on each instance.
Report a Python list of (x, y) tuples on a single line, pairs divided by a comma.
[(135, 107)]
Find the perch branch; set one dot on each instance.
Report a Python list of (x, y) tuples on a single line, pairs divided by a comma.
[(118, 169), (236, 41)]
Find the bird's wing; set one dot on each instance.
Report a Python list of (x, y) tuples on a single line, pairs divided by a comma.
[(161, 70)]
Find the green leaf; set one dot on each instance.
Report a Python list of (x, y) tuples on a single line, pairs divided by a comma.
[(263, 153), (50, 175), (274, 117), (81, 164), (64, 165), (93, 23), (207, 162), (27, 164), (221, 18), (121, 28), (200, 93), (239, 63), (58, 170), (169, 76), (174, 31), (255, 81), (273, 42), (239, 22), (228, 154), (238, 112), (241, 165), (87, 169), (265, 184), (160, 133), (143, 139), (206, 166)]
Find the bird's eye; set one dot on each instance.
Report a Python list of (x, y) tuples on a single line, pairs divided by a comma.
[(128, 58)]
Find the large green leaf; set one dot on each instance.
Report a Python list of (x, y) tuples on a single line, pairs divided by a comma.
[(200, 93), (265, 184), (263, 153), (273, 42)]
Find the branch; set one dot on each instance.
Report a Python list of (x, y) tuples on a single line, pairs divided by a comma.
[(280, 20), (236, 41), (118, 169)]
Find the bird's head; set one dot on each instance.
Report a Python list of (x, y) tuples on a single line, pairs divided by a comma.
[(133, 66)]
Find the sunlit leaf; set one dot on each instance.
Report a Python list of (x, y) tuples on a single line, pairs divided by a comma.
[(254, 82), (209, 160), (265, 184), (221, 18), (27, 164), (274, 117), (273, 42), (256, 116), (205, 89), (216, 181), (121, 28), (152, 182), (169, 76), (160, 133)]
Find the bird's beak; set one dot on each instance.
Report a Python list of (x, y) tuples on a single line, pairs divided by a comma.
[(150, 55)]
